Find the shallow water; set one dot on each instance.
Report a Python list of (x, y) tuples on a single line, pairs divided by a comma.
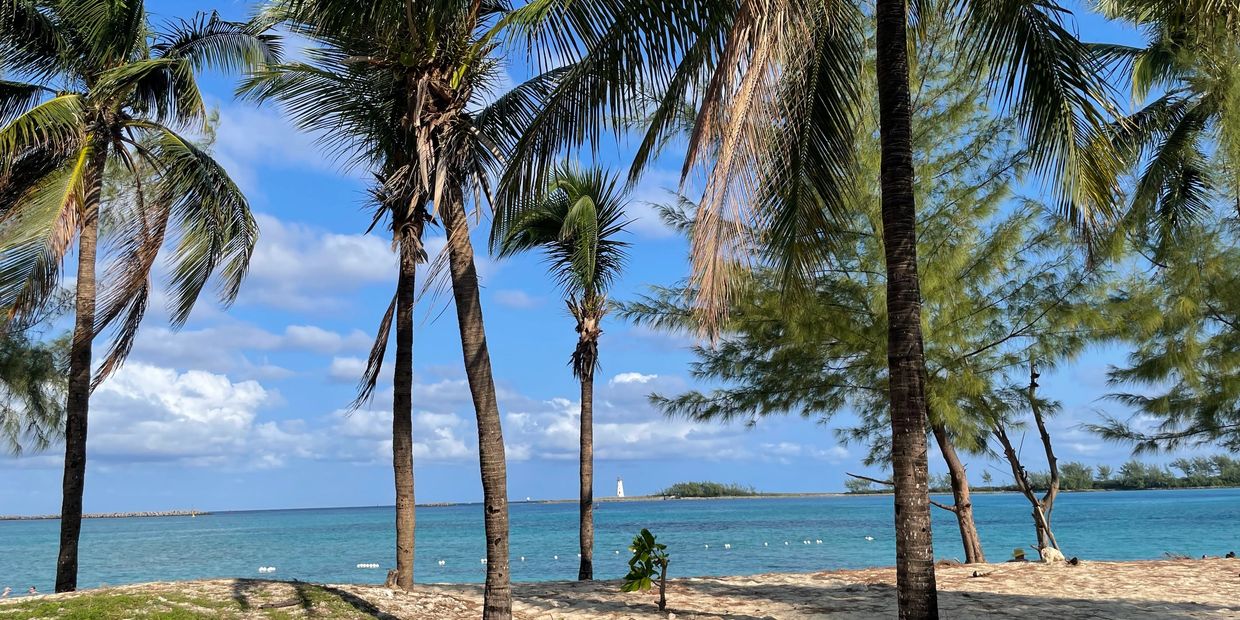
[(325, 545)]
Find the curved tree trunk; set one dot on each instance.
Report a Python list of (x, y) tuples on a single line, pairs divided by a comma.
[(586, 512), (905, 357), (498, 593), (961, 498), (402, 412), (77, 405)]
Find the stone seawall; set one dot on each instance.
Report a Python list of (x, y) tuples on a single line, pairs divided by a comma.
[(110, 515)]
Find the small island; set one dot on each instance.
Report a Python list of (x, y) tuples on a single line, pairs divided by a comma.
[(707, 489)]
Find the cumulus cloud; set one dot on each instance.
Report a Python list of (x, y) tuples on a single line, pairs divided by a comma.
[(148, 413), (303, 268)]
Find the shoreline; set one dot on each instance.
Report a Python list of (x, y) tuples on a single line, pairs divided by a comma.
[(112, 515), (1137, 590)]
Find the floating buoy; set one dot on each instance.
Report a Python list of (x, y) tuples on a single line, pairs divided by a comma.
[(368, 565), (707, 546), (555, 557), (266, 569), (483, 560), (578, 555), (785, 542), (764, 544), (617, 552), (441, 562), (818, 541), (727, 546), (522, 558), (869, 538)]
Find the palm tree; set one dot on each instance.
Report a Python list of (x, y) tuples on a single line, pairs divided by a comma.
[(104, 95), (1189, 59), (401, 88), (774, 130), (576, 224)]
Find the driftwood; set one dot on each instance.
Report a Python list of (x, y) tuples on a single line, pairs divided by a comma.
[(288, 603)]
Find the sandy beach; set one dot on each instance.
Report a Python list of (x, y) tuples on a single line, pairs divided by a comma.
[(1121, 590)]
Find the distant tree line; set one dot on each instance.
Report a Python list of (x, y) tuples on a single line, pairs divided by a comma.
[(707, 489), (1202, 471)]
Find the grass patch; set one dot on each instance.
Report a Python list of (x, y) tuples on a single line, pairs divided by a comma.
[(192, 601)]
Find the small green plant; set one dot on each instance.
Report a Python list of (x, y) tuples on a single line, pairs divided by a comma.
[(649, 560)]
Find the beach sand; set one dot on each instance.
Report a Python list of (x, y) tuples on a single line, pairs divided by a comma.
[(1121, 590)]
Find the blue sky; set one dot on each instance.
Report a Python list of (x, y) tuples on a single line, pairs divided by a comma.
[(245, 409)]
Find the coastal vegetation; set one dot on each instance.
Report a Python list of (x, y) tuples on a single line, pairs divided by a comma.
[(648, 564), (707, 489), (851, 196)]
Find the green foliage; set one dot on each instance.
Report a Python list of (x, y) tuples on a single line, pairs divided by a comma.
[(857, 485), (32, 384), (999, 285), (103, 98), (649, 561), (707, 489), (1183, 318), (1075, 476)]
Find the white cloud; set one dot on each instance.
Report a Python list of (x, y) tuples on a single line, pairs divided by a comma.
[(298, 267), (199, 418), (516, 299), (632, 377)]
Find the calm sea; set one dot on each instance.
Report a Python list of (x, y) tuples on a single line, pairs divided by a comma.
[(326, 545)]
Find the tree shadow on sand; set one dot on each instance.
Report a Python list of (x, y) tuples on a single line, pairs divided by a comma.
[(260, 594), (766, 602)]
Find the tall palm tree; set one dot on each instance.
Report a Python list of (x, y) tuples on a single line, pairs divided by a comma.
[(575, 225), (104, 94), (774, 133), (1189, 61), (401, 89)]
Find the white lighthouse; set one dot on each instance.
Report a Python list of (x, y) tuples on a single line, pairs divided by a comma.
[(619, 487)]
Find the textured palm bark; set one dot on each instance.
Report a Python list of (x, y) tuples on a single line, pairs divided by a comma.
[(77, 404), (498, 590), (586, 509), (962, 499), (905, 356), (402, 413)]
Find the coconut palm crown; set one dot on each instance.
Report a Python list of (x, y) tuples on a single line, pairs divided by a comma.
[(96, 97)]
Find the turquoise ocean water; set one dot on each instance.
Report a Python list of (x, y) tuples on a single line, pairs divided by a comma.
[(325, 545)]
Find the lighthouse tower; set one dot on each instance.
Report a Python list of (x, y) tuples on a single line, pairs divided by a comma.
[(619, 487)]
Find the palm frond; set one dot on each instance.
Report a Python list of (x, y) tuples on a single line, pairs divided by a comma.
[(1054, 86), (32, 42), (56, 124), (35, 234), (162, 90), (17, 98), (212, 228), (211, 42)]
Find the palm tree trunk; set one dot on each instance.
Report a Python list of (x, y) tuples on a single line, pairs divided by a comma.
[(77, 405), (498, 593), (905, 357), (402, 412), (586, 512), (969, 537)]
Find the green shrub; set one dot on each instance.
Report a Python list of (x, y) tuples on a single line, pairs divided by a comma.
[(650, 560)]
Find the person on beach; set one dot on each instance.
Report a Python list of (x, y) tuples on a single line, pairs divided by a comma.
[(6, 592), (32, 591)]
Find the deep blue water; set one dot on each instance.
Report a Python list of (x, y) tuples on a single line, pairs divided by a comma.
[(325, 545)]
